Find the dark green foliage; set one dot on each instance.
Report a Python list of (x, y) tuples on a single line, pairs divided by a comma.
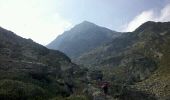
[(17, 90), (135, 95), (95, 75), (30, 71), (123, 92)]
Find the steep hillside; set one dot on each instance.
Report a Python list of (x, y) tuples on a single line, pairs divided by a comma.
[(138, 56), (82, 38), (29, 71), (159, 82)]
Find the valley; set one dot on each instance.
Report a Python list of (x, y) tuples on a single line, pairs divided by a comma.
[(81, 61)]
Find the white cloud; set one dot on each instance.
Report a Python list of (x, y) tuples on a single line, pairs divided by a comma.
[(165, 14), (35, 19), (149, 15)]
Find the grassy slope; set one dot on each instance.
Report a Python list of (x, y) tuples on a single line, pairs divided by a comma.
[(159, 82)]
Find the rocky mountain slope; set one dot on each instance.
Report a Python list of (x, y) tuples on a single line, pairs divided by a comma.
[(29, 71), (82, 38), (138, 58)]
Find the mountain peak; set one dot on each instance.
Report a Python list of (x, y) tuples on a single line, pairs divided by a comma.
[(82, 38), (86, 23)]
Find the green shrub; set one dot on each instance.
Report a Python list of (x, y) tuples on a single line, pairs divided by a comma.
[(17, 90)]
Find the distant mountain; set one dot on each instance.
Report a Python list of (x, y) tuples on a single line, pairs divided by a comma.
[(82, 38), (140, 57), (29, 71)]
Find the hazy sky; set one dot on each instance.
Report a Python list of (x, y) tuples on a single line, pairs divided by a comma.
[(44, 20)]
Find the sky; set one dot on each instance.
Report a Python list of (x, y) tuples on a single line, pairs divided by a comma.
[(44, 20)]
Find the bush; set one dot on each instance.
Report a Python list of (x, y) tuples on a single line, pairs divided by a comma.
[(17, 90)]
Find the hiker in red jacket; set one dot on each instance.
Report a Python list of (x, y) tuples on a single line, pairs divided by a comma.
[(105, 86)]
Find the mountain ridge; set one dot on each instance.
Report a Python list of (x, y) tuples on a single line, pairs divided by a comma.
[(82, 38)]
